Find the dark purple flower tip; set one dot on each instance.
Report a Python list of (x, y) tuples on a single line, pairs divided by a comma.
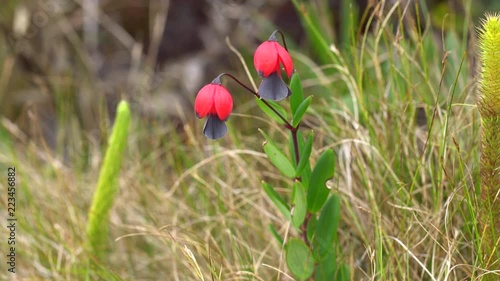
[(214, 127), (274, 88)]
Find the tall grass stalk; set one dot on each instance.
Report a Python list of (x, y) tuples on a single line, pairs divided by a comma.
[(489, 109), (97, 226)]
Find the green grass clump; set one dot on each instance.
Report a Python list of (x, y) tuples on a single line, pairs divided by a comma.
[(97, 226), (489, 109)]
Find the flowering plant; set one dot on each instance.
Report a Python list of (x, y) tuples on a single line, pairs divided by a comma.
[(311, 210)]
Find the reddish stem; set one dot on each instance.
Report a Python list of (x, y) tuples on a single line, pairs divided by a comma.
[(287, 124)]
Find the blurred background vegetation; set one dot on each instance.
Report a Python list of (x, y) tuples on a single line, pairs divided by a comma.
[(65, 64), (66, 58)]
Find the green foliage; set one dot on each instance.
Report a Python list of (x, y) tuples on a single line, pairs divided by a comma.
[(317, 192), (278, 201), (309, 193), (311, 228), (489, 109), (319, 41), (298, 93), (326, 228), (305, 154), (299, 259), (327, 267), (276, 235), (306, 172), (299, 202), (107, 185), (270, 112), (407, 166), (301, 110), (277, 157)]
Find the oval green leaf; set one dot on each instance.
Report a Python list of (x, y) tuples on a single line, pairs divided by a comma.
[(277, 157), (299, 259), (327, 267), (300, 204), (270, 112), (306, 171), (301, 110), (297, 93), (305, 154), (326, 228), (317, 192), (311, 227)]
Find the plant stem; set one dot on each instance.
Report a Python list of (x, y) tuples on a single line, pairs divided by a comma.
[(293, 130), (287, 124), (303, 227), (295, 140), (273, 36)]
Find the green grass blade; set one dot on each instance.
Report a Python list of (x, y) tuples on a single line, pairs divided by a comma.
[(277, 200)]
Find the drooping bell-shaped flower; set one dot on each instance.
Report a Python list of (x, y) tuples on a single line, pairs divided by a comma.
[(267, 60), (214, 102)]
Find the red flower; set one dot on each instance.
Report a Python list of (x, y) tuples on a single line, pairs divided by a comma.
[(215, 102), (267, 60)]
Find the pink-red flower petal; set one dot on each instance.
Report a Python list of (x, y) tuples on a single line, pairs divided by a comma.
[(285, 59), (223, 102), (214, 102), (204, 102), (265, 58)]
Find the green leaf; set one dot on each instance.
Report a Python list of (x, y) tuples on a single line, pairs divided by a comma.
[(300, 203), (306, 172), (326, 228), (299, 259), (275, 234), (317, 192), (305, 154), (278, 201), (301, 110), (297, 93), (270, 112), (311, 227), (291, 147), (343, 274), (277, 157), (326, 269), (306, 176)]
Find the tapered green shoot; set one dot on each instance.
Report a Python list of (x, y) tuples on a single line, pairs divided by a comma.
[(107, 186), (489, 109)]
